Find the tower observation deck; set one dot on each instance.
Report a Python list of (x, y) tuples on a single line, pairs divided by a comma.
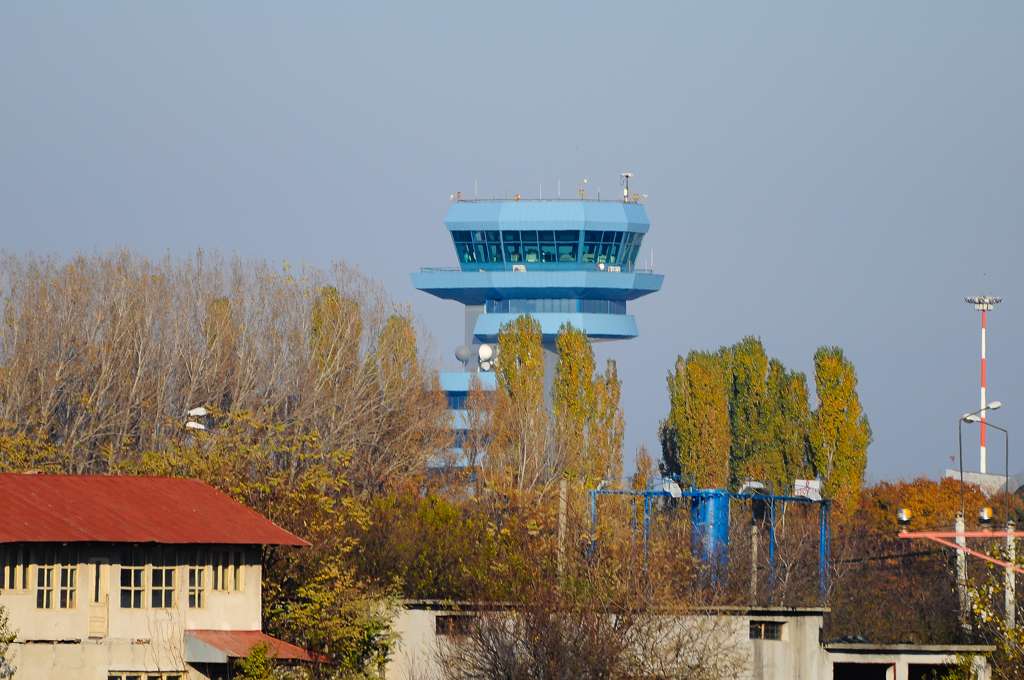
[(558, 260)]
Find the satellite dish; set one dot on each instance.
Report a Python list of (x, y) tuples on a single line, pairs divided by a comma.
[(485, 366), (463, 353), (486, 352)]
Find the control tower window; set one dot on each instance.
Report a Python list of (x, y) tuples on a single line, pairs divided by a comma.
[(478, 247), (513, 252), (555, 306)]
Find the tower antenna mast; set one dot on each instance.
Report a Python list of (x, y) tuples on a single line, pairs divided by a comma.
[(625, 181), (984, 304)]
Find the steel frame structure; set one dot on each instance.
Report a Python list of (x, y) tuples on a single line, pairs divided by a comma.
[(771, 500)]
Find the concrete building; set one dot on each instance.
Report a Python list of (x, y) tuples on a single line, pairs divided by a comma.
[(132, 578), (769, 643), (559, 261)]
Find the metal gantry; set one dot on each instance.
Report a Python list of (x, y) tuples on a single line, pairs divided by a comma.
[(771, 502)]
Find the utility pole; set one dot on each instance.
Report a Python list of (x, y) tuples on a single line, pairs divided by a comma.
[(961, 574), (983, 304), (1010, 588)]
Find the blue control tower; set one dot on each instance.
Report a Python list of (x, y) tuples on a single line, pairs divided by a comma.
[(558, 260)]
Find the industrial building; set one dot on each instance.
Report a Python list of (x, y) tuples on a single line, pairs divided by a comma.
[(766, 643), (132, 578)]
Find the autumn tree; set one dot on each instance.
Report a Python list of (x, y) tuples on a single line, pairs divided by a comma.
[(751, 454), (839, 433), (788, 449), (102, 356), (573, 405), (699, 418), (607, 427), (517, 451)]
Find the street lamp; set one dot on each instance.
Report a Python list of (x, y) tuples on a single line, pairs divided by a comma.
[(971, 418), (966, 418)]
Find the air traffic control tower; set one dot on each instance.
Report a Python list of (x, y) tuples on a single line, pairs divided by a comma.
[(558, 260)]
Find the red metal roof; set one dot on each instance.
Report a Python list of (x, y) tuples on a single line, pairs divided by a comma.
[(237, 643), (110, 509)]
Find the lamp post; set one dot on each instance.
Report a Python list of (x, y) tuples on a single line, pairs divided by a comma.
[(966, 418), (1006, 437)]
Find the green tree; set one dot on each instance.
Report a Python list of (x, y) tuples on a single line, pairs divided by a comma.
[(750, 452), (699, 418), (840, 433), (788, 426), (573, 403), (256, 665)]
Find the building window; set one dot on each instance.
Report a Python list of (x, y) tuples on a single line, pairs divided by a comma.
[(162, 588), (132, 585), (196, 587), (140, 675), (766, 630), (453, 625), (44, 587), (457, 400), (68, 586)]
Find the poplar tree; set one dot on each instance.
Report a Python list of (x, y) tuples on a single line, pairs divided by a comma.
[(699, 416), (840, 433), (573, 403), (517, 452), (750, 411), (791, 420), (607, 426)]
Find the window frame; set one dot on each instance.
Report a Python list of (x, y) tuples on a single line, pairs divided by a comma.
[(44, 585), (163, 593), (67, 586), (771, 631), (136, 592)]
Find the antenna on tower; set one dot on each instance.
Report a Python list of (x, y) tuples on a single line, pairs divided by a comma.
[(625, 185)]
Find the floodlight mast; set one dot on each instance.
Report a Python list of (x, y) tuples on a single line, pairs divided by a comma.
[(983, 304)]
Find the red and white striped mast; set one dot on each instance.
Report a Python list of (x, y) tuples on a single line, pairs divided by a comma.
[(984, 304)]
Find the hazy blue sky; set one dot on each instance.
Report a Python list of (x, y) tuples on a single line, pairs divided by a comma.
[(818, 172)]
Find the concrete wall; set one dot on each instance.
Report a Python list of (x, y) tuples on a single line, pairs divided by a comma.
[(797, 656), (66, 643)]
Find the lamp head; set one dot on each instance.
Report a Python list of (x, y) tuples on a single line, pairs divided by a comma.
[(993, 405), (971, 418)]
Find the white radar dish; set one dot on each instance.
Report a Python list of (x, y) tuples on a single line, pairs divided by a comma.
[(486, 352)]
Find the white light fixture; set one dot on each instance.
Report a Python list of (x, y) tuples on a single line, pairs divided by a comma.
[(190, 425), (198, 412)]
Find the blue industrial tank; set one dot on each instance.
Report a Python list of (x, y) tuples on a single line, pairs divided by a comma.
[(709, 537)]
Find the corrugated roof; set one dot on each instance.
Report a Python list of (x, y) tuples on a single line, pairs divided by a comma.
[(113, 509), (236, 644)]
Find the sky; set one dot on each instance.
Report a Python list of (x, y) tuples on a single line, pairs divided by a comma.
[(838, 173)]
